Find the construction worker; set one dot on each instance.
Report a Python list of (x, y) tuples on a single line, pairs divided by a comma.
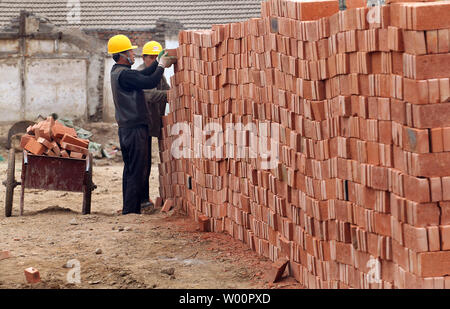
[(156, 99), (132, 116)]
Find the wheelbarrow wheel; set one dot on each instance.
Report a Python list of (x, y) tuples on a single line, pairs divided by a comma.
[(10, 183)]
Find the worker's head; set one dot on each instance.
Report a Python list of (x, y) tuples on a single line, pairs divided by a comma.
[(150, 52), (122, 50)]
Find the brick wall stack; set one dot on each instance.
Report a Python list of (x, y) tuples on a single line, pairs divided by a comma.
[(363, 114)]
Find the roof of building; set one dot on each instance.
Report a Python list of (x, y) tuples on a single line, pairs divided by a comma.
[(132, 14)]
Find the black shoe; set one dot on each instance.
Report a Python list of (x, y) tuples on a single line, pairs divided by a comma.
[(147, 207)]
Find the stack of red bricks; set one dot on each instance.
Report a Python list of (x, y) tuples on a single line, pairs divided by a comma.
[(52, 138), (361, 194)]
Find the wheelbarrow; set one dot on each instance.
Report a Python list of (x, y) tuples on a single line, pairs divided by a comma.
[(50, 173)]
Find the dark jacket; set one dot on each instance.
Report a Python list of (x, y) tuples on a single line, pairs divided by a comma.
[(156, 99), (129, 99)]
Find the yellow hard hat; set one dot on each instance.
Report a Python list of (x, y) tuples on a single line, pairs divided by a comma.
[(152, 48), (119, 43)]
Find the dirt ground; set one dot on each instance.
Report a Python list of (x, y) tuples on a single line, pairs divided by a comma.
[(116, 251)]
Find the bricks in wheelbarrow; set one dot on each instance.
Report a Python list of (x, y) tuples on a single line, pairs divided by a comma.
[(50, 153), (24, 140), (64, 154), (34, 147), (45, 142), (55, 149), (76, 155), (59, 130), (75, 141), (72, 147)]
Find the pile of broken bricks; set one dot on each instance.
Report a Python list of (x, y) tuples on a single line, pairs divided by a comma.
[(51, 138), (361, 195)]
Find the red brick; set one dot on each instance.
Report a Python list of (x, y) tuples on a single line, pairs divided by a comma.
[(4, 255), (75, 148), (424, 15), (415, 92), (168, 204), (430, 164), (432, 41), (431, 66), (415, 238), (24, 140), (431, 115), (444, 89), (34, 147), (447, 282), (277, 270), (445, 237), (59, 130), (437, 140), (446, 188), (400, 255), (416, 140), (75, 141), (446, 138), (436, 189), (433, 91), (32, 275), (415, 42), (172, 52), (44, 142), (158, 202), (316, 9), (379, 178), (385, 132), (50, 153), (443, 41), (245, 203), (382, 224), (445, 213), (64, 154), (416, 189), (398, 111), (373, 153), (421, 215), (434, 264), (55, 149), (76, 155), (433, 238), (343, 253), (203, 222)]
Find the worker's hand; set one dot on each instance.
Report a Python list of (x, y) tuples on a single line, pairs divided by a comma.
[(165, 61), (163, 52)]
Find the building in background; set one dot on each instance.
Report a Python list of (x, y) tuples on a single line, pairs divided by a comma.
[(51, 77)]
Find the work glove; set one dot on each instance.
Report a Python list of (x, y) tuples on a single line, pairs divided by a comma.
[(161, 53), (166, 61)]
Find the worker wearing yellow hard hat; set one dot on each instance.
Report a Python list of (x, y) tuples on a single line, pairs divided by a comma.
[(156, 99), (132, 115), (152, 48)]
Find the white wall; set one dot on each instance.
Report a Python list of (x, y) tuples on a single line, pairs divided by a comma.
[(58, 77), (10, 94), (55, 85)]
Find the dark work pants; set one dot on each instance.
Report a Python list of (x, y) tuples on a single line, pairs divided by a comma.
[(136, 158), (146, 197)]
